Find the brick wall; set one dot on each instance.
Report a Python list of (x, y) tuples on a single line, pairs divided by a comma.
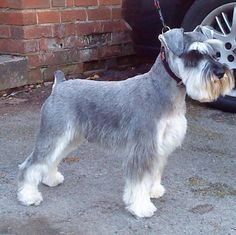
[(65, 34)]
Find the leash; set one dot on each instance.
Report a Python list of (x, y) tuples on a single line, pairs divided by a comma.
[(158, 7)]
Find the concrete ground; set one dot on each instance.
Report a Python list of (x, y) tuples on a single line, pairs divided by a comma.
[(200, 180)]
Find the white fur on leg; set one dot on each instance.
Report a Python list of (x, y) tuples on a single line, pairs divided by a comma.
[(137, 200), (157, 191), (53, 178), (28, 195)]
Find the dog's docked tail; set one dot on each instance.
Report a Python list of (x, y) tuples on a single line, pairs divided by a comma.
[(59, 77)]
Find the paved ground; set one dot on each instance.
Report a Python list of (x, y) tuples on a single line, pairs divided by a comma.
[(200, 180)]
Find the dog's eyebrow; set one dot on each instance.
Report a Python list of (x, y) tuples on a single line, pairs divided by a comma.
[(200, 46), (192, 58), (193, 55)]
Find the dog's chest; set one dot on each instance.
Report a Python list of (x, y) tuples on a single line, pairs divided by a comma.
[(171, 130)]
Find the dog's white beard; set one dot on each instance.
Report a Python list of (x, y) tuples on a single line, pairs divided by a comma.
[(207, 89)]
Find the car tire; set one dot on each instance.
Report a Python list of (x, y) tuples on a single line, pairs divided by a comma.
[(195, 15), (226, 104)]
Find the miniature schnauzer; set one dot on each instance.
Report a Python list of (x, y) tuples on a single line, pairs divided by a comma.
[(141, 118)]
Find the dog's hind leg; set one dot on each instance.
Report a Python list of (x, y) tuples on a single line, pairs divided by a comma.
[(30, 175), (65, 144), (52, 177), (53, 143)]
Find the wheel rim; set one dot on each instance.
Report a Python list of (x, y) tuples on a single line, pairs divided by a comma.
[(223, 23)]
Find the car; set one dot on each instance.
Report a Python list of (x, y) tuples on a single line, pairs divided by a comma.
[(220, 15)]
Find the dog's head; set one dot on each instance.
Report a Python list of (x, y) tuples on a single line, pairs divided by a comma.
[(193, 57)]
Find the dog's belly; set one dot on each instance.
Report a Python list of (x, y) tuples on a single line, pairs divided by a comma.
[(171, 132)]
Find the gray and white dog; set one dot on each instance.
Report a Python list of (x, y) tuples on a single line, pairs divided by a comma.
[(141, 118)]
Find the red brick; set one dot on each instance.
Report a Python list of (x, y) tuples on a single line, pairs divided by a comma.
[(50, 58), (35, 4), (35, 76), (63, 30), (25, 4), (18, 46), (88, 28), (85, 3), (74, 55), (47, 44), (4, 31), (73, 15), (88, 54), (41, 59), (71, 41), (78, 69), (33, 60), (46, 58), (70, 3), (17, 18), (30, 46), (68, 69), (11, 46), (17, 32), (10, 3), (48, 17), (109, 51), (82, 42), (28, 18), (116, 13), (3, 4), (43, 44), (99, 14), (58, 3), (61, 57), (121, 37), (110, 2), (31, 32), (73, 69), (37, 31), (114, 26), (48, 73)]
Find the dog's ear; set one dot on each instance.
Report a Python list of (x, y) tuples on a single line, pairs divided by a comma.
[(205, 30), (173, 40)]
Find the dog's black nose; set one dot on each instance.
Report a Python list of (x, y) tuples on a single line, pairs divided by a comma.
[(219, 71)]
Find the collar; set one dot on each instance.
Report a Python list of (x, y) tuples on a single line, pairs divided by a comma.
[(167, 68)]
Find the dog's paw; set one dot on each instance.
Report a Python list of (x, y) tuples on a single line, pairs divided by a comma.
[(53, 180), (142, 210), (29, 196), (157, 191)]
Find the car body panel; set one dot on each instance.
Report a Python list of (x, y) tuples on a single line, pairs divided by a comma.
[(144, 19)]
